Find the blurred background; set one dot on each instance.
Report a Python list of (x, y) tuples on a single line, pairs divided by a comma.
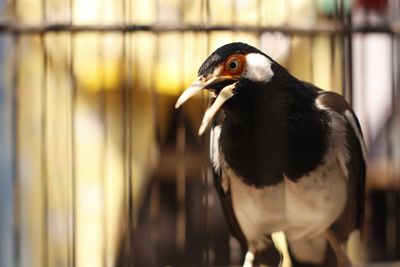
[(98, 169)]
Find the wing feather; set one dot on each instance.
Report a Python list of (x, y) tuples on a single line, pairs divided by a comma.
[(353, 215), (221, 183)]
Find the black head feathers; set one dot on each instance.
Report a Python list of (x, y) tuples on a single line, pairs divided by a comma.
[(223, 52)]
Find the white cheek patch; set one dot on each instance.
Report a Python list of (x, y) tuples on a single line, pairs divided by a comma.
[(258, 68)]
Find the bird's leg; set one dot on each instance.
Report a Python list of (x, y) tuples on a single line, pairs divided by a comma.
[(342, 259), (248, 260)]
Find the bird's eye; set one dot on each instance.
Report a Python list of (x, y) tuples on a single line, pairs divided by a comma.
[(234, 64)]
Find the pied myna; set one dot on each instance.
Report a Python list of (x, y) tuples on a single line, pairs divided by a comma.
[(287, 156)]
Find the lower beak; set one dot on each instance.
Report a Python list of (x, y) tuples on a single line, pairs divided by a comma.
[(223, 95)]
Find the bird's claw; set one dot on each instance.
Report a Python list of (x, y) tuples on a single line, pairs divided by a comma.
[(248, 260)]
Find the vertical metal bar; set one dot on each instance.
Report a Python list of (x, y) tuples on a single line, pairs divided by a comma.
[(44, 11), (396, 163), (207, 13), (155, 112), (103, 149), (395, 62), (73, 222), (205, 178), (43, 142), (126, 98), (15, 146), (181, 186), (233, 10), (396, 121), (130, 87), (363, 96), (154, 102), (129, 166), (390, 244), (349, 68), (181, 171), (182, 8), (396, 110), (397, 208), (71, 4), (339, 16), (204, 201), (6, 155), (311, 40), (73, 225), (126, 173), (260, 13), (126, 120), (15, 160), (13, 8), (125, 12), (347, 54), (332, 43), (204, 182), (391, 194)]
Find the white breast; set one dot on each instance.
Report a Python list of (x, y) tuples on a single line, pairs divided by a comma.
[(302, 210)]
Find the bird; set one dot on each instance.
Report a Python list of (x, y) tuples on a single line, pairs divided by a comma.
[(287, 157)]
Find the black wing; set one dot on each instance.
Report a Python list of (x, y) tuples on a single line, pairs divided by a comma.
[(353, 215), (223, 190)]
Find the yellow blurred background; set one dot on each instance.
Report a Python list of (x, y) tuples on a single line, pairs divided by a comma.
[(92, 149)]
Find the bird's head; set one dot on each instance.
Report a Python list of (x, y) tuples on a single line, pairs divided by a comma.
[(223, 72)]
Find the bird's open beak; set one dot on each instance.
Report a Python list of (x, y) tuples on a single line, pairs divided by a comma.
[(220, 96)]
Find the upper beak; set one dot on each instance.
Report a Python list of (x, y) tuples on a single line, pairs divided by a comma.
[(202, 83)]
